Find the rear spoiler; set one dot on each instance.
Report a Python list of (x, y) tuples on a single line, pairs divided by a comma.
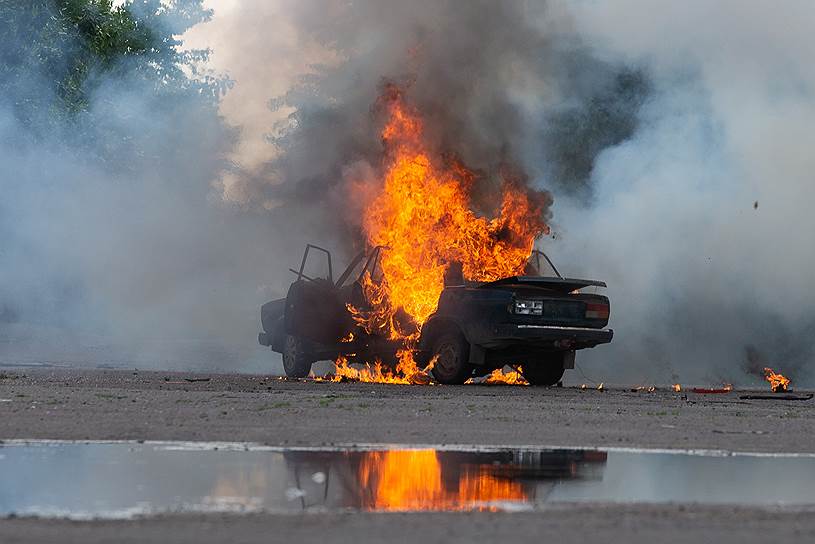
[(563, 285)]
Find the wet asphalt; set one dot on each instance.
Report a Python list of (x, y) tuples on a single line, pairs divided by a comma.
[(137, 405)]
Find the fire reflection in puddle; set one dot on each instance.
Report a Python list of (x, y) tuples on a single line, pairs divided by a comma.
[(122, 480)]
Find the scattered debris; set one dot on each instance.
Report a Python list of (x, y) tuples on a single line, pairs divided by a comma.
[(777, 396), (644, 389), (720, 431), (168, 379), (712, 391)]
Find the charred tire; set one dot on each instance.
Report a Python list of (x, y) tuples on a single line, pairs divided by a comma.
[(452, 354), (296, 361), (547, 371)]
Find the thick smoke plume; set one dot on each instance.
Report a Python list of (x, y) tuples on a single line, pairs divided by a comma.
[(502, 87)]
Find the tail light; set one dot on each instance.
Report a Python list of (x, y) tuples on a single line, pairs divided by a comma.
[(597, 310)]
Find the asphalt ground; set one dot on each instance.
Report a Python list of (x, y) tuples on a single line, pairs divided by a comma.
[(136, 405)]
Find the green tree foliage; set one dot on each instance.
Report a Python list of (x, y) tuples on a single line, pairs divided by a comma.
[(56, 53)]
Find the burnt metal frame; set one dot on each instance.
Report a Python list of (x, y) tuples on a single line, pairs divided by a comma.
[(300, 274), (538, 253), (370, 265)]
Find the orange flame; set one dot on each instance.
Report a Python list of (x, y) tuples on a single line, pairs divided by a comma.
[(423, 216), (501, 377), (406, 372), (677, 388), (645, 389), (412, 480), (778, 382)]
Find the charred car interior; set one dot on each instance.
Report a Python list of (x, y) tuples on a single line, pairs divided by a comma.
[(534, 322)]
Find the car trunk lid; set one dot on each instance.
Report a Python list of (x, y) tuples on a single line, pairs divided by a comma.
[(559, 285)]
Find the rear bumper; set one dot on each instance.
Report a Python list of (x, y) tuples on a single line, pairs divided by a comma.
[(547, 337)]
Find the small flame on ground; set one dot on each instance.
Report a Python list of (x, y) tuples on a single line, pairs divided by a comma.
[(406, 372), (677, 388), (601, 387), (501, 376), (645, 389), (778, 382)]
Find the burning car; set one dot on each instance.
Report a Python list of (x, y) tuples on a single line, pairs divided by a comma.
[(534, 321)]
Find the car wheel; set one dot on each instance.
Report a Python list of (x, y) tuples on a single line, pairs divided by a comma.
[(546, 371), (296, 362), (451, 353)]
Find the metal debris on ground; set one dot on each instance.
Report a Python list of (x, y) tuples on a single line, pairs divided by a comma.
[(712, 391), (777, 396)]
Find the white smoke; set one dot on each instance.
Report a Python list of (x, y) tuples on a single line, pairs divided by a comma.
[(701, 221)]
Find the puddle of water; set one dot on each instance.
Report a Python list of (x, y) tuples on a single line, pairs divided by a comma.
[(122, 480)]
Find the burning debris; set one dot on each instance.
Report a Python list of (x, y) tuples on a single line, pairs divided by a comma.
[(778, 382), (644, 389), (501, 376)]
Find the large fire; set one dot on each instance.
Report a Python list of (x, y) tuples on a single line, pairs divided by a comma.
[(424, 216), (413, 480)]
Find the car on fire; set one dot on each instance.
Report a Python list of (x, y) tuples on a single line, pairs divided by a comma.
[(534, 322)]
